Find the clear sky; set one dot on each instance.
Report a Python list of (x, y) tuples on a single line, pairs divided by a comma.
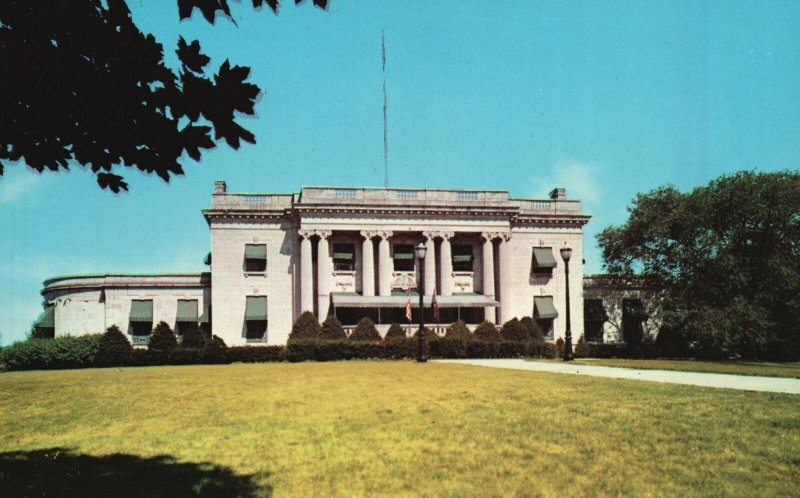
[(606, 99)]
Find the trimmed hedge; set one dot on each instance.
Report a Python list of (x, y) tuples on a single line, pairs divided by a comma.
[(332, 329), (58, 353), (486, 331), (396, 331), (365, 331), (114, 349), (163, 338), (305, 326), (513, 331), (256, 354)]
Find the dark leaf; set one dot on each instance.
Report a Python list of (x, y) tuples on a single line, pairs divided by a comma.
[(190, 55), (112, 182)]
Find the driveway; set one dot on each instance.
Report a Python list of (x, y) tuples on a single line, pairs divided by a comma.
[(724, 381)]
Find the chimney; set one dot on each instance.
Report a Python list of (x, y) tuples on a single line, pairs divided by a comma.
[(220, 187), (558, 194)]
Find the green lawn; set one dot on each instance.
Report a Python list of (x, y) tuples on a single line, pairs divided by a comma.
[(388, 428), (791, 370)]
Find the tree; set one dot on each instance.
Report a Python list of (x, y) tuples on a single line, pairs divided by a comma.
[(192, 337), (365, 331), (163, 338), (83, 85), (727, 256), (332, 329), (305, 326), (115, 349)]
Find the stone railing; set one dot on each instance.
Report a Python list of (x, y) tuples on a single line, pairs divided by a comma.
[(252, 201), (547, 206), (324, 195), (140, 340)]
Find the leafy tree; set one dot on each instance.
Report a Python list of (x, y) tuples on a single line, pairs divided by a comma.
[(163, 338), (332, 329), (115, 349), (727, 256), (305, 326), (83, 85)]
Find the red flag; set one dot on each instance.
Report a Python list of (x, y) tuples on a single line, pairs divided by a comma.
[(435, 306), (408, 307)]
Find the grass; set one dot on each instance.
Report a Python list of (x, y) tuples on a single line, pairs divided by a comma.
[(791, 370), (391, 429)]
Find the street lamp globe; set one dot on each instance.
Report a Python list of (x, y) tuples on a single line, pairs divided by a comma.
[(421, 250), (566, 253)]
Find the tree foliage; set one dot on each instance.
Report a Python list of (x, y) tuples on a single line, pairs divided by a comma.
[(210, 8), (305, 326), (332, 329), (727, 256), (163, 338), (365, 331), (83, 85)]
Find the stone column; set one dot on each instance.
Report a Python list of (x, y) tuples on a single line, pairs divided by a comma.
[(504, 259), (385, 265), (324, 273), (430, 263), (488, 275), (367, 264), (447, 264), (306, 272)]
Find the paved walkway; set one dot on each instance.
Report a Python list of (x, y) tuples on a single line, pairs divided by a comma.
[(726, 381)]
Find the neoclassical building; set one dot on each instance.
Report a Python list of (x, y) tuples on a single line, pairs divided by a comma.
[(348, 252)]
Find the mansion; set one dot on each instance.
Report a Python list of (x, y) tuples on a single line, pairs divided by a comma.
[(348, 252)]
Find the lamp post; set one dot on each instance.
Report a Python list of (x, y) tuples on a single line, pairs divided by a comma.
[(566, 254), (420, 250)]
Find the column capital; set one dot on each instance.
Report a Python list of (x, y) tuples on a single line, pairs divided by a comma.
[(429, 235), (384, 234), (305, 233), (368, 234), (503, 236)]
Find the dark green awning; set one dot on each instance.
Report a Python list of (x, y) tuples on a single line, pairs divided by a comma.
[(141, 311), (462, 258), (543, 258), (207, 259), (206, 316), (543, 307), (404, 255), (47, 319), (256, 308), (255, 251), (187, 310), (343, 255)]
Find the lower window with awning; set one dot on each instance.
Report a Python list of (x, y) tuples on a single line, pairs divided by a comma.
[(186, 315), (141, 317), (256, 318), (543, 261), (544, 312)]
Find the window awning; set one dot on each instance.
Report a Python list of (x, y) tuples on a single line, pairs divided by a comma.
[(141, 311), (255, 251), (543, 307), (187, 310), (462, 258), (206, 316), (343, 255), (454, 301), (256, 308), (543, 258), (47, 319), (404, 255), (594, 311)]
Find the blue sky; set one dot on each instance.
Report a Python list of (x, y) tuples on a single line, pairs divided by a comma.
[(606, 99)]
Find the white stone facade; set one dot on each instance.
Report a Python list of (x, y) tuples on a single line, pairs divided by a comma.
[(349, 252)]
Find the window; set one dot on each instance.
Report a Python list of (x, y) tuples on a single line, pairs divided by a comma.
[(255, 258), (344, 257), (633, 314), (462, 258), (186, 315), (404, 257), (255, 316), (544, 312), (594, 315), (543, 261), (141, 317)]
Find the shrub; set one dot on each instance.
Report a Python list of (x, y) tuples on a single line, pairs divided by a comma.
[(430, 335), (365, 331), (215, 351), (531, 329), (305, 327), (61, 352), (332, 329), (458, 330), (487, 332), (162, 338), (256, 354), (512, 331), (582, 348), (560, 347), (192, 337), (114, 348), (396, 331)]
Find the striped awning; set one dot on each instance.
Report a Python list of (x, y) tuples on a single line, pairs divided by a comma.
[(141, 311), (543, 307), (543, 258), (47, 319), (187, 310), (256, 308)]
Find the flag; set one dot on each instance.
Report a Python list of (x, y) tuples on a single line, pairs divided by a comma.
[(435, 306), (408, 307)]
